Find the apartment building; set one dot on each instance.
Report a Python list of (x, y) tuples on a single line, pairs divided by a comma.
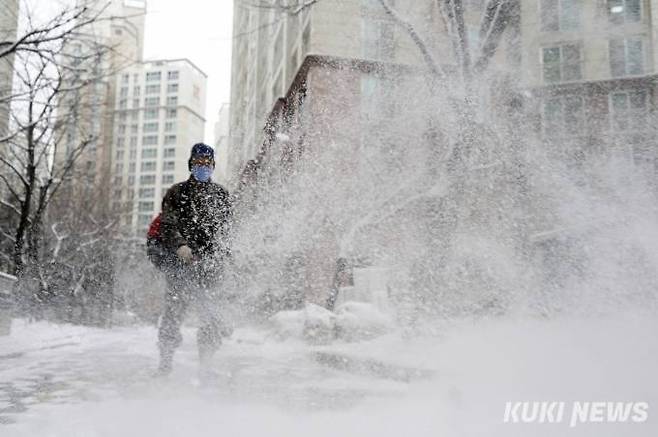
[(593, 65), (158, 116), (90, 111)]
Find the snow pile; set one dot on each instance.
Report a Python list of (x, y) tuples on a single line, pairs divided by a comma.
[(313, 324), (319, 324), (360, 320), (352, 321)]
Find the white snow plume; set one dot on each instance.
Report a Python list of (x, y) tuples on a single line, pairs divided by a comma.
[(472, 209)]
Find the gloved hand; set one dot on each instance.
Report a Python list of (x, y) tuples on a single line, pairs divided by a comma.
[(185, 254)]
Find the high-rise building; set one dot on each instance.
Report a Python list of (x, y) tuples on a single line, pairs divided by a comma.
[(90, 111), (159, 115), (8, 26)]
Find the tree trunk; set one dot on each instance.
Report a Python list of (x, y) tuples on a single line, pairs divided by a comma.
[(22, 230)]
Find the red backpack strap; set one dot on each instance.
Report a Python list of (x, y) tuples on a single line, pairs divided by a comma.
[(155, 227)]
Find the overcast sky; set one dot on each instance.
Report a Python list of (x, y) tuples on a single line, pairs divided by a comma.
[(199, 30)]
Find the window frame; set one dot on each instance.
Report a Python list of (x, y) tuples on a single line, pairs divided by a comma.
[(624, 15), (626, 40), (562, 64), (631, 114), (153, 76), (560, 17)]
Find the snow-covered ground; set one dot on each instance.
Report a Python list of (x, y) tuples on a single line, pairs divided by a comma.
[(73, 381)]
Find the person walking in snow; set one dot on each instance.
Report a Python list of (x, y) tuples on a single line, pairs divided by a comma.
[(195, 220)]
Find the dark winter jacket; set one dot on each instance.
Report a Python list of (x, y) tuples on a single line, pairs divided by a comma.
[(197, 214)]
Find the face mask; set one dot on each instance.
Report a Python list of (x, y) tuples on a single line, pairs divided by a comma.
[(202, 173)]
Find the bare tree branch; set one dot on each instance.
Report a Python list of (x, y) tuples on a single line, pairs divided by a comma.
[(496, 17), (431, 63)]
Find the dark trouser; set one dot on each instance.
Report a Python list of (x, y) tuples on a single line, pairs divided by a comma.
[(189, 285)]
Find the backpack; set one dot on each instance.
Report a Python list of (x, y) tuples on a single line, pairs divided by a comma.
[(155, 247)]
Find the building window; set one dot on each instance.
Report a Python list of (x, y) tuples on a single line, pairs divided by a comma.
[(136, 90), (169, 139), (149, 153), (628, 110), (560, 15), (146, 206), (131, 180), (151, 127), (171, 113), (119, 155), (152, 101), (150, 140), (150, 114), (170, 126), (626, 57), (172, 88), (172, 75), (120, 142), (133, 154), (153, 76), (172, 101), (124, 91), (147, 179), (564, 115), (132, 167), (169, 166), (624, 11), (118, 168), (147, 192), (148, 166), (133, 142), (170, 152), (168, 179), (561, 64), (122, 129), (125, 78), (152, 89), (123, 104)]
